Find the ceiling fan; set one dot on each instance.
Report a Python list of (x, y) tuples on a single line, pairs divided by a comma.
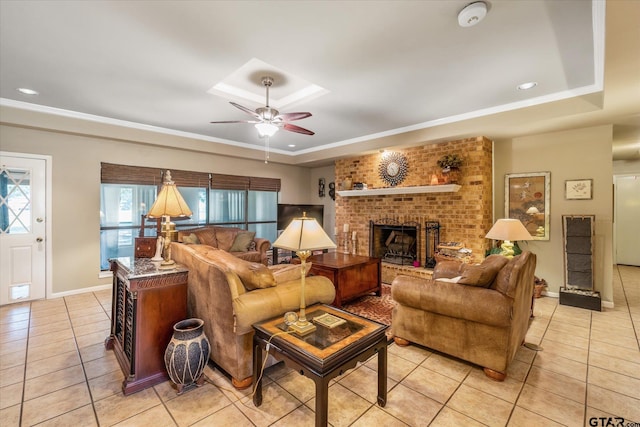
[(269, 120)]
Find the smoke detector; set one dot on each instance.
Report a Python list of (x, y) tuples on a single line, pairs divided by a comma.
[(472, 14)]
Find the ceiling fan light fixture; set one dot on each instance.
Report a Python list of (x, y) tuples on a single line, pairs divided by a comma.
[(266, 129), (472, 14)]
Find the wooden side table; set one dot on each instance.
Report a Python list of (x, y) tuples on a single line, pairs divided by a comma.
[(146, 303), (352, 275)]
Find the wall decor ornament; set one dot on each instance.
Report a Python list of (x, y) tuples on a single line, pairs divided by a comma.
[(578, 189), (526, 198), (449, 161), (332, 190), (393, 168)]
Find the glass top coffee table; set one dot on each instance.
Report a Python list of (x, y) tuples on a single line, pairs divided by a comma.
[(324, 353)]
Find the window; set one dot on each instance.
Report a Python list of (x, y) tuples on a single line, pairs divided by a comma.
[(227, 207), (121, 210), (128, 192), (263, 214)]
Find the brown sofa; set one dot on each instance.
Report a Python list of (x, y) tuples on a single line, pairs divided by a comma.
[(478, 313), (231, 294), (241, 243)]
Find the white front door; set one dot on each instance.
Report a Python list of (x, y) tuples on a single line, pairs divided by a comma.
[(22, 228)]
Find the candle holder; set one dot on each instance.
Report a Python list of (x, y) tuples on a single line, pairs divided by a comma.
[(345, 241), (354, 246)]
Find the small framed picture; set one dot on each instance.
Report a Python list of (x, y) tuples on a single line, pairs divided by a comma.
[(578, 189)]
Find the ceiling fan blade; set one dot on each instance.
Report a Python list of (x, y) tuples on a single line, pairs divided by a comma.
[(289, 117), (246, 110), (297, 129), (235, 121)]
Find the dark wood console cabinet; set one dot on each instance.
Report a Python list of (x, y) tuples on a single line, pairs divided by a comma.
[(146, 303)]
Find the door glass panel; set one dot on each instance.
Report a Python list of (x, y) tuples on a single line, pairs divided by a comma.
[(15, 200)]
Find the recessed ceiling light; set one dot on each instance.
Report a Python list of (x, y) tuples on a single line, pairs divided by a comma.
[(26, 91), (291, 145), (472, 14), (527, 86)]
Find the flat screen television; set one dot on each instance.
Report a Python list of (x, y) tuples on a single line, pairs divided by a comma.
[(286, 213)]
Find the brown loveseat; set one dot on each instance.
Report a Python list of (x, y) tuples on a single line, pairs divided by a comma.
[(231, 294), (482, 315), (241, 243)]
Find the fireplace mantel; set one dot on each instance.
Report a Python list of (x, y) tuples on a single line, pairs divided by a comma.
[(447, 188)]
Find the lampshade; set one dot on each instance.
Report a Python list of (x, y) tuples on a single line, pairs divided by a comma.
[(266, 129), (304, 234), (508, 229), (169, 201)]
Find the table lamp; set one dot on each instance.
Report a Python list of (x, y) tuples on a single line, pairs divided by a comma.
[(302, 236), (508, 230), (169, 203)]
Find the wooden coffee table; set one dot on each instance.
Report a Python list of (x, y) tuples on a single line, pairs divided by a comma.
[(352, 275), (323, 354)]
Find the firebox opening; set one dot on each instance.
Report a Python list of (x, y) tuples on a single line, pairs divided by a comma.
[(394, 243)]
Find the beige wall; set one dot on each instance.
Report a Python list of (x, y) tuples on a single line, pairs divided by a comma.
[(574, 154), (76, 189), (328, 173)]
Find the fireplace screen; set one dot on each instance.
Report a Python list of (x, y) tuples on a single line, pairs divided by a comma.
[(393, 242)]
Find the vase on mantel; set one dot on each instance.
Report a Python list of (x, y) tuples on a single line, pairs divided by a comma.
[(347, 184), (187, 354), (451, 175)]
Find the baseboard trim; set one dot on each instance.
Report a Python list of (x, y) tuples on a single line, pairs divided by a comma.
[(79, 291)]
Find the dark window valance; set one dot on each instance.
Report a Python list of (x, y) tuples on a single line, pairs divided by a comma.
[(189, 178), (229, 182), (264, 184), (122, 174)]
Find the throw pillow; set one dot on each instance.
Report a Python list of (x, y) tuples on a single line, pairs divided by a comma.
[(191, 239), (447, 269), (225, 237), (207, 236), (503, 283), (256, 276), (252, 274), (483, 275), (242, 242), (287, 272)]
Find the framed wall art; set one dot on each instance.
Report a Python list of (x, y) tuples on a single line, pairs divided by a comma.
[(527, 199), (578, 189)]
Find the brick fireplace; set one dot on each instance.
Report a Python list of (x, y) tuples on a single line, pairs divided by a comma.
[(464, 216), (393, 242)]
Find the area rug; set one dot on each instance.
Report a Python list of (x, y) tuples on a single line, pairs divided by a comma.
[(377, 308)]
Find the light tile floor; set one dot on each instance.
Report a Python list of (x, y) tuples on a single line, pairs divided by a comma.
[(54, 371)]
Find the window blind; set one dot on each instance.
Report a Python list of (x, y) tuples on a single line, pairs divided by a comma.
[(229, 182), (123, 174), (189, 178), (264, 184)]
